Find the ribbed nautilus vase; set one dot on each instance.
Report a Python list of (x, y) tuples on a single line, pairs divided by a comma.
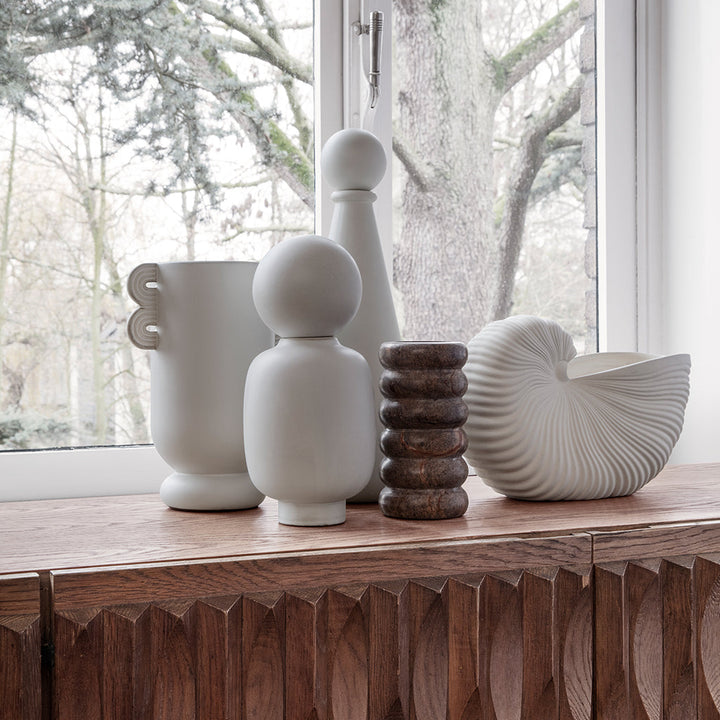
[(544, 424)]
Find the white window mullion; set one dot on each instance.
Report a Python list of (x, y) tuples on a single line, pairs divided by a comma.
[(81, 472), (651, 297), (329, 94), (616, 176)]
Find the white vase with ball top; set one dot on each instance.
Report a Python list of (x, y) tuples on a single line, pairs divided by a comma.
[(309, 411)]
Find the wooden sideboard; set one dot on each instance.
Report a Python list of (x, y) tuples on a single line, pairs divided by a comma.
[(121, 608)]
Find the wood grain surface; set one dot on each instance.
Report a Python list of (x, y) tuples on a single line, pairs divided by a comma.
[(87, 532), (20, 645), (632, 640), (19, 594), (657, 639), (113, 585), (657, 541)]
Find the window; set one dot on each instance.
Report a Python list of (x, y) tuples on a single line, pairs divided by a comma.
[(133, 132), (536, 67), (184, 132), (494, 165)]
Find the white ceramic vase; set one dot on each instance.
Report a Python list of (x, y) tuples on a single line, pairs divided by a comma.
[(546, 425), (309, 411), (200, 324), (353, 163)]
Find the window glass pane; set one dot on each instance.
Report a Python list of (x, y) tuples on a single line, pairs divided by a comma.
[(494, 164), (133, 132)]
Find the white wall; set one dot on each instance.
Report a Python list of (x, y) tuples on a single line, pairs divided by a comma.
[(690, 101)]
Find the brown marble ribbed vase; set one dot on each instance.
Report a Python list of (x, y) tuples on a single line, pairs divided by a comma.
[(422, 385)]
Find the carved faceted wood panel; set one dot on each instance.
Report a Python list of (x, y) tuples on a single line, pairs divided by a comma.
[(623, 641), (657, 639), (157, 661), (20, 647), (707, 632), (515, 645)]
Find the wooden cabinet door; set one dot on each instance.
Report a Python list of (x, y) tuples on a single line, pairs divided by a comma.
[(154, 661), (509, 644), (20, 647), (657, 638)]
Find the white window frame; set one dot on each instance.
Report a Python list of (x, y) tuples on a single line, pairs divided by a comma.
[(629, 176), (628, 268), (617, 266)]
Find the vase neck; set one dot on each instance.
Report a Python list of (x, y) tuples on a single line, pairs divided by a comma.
[(327, 340), (353, 196)]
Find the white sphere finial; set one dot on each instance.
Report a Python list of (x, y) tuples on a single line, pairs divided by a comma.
[(307, 286), (353, 159)]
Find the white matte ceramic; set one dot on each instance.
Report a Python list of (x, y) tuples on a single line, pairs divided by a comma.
[(353, 162), (546, 425), (310, 417), (199, 321)]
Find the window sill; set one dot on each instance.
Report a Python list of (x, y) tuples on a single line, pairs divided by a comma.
[(80, 472), (139, 530)]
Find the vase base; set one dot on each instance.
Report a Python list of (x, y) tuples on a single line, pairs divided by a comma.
[(311, 514), (190, 491)]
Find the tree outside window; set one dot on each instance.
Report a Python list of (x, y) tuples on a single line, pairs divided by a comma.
[(156, 130)]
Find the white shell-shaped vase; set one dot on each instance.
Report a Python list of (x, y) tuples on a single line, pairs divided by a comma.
[(546, 425)]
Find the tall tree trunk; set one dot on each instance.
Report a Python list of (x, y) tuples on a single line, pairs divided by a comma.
[(5, 241), (94, 201), (190, 218), (101, 424), (455, 261), (447, 257)]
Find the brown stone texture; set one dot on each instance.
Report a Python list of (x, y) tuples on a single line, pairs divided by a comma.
[(423, 443), (423, 411)]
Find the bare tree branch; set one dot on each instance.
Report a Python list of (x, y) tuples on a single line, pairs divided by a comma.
[(50, 44), (302, 122), (418, 174), (530, 158), (276, 53), (559, 140), (144, 192), (561, 167), (270, 21), (275, 148), (529, 53), (264, 229)]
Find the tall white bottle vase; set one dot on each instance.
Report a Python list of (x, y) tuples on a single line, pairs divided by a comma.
[(354, 162)]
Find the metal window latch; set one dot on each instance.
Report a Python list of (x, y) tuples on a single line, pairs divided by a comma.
[(376, 23), (374, 30)]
